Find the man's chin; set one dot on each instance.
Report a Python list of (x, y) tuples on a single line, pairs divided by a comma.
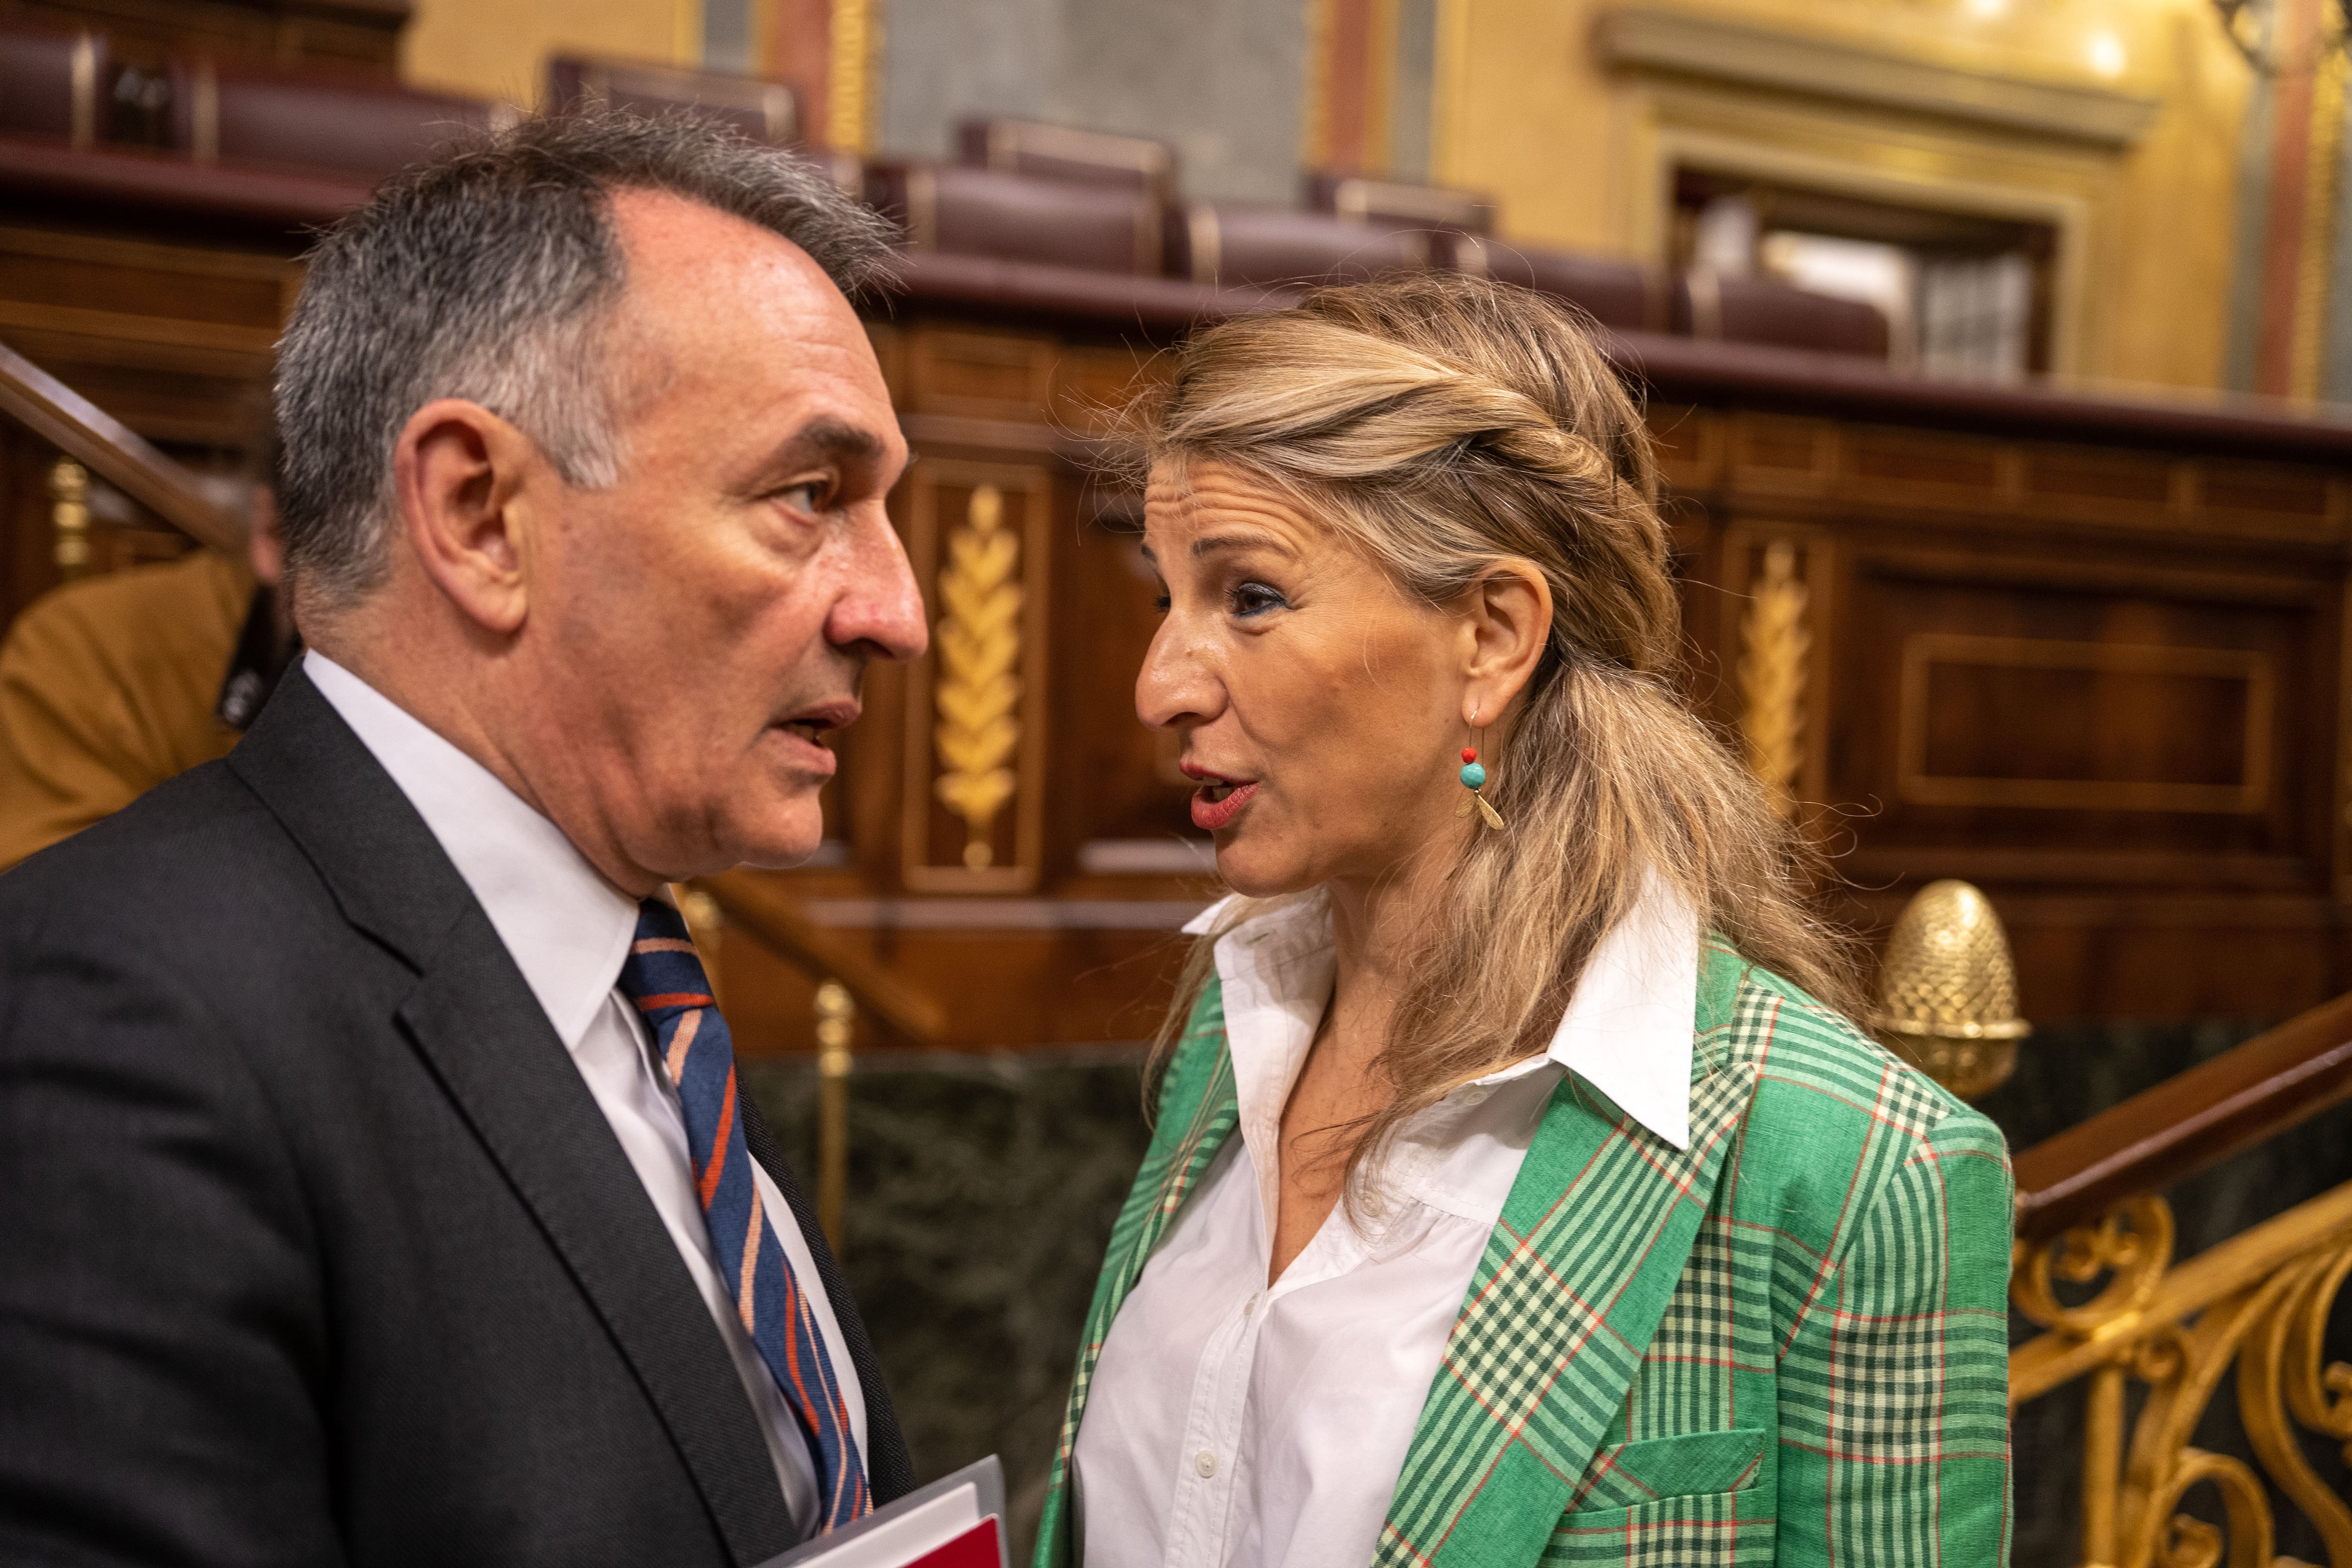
[(788, 834)]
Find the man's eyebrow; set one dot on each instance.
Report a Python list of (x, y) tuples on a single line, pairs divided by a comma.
[(825, 438)]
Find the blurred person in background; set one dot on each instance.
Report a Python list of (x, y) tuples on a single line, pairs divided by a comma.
[(112, 685), (1520, 1190)]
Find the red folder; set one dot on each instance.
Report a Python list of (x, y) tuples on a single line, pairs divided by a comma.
[(978, 1547), (957, 1522)]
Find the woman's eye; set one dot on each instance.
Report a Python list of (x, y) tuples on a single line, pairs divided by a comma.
[(1256, 598), (1159, 603)]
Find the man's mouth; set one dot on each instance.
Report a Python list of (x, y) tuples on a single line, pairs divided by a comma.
[(811, 723)]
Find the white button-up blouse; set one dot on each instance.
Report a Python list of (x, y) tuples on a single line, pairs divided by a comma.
[(1231, 1422)]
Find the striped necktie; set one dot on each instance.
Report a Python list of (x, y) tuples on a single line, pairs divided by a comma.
[(663, 978)]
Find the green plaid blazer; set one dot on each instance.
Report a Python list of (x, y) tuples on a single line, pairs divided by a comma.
[(1787, 1345)]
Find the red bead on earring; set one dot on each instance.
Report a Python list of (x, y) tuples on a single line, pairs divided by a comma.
[(1469, 753)]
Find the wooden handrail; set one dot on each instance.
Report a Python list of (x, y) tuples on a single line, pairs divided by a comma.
[(96, 439), (770, 915), (2189, 1122)]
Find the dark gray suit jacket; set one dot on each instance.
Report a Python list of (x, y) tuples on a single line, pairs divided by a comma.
[(314, 1246)]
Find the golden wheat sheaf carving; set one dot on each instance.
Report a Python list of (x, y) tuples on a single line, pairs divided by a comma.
[(1774, 646), (978, 696)]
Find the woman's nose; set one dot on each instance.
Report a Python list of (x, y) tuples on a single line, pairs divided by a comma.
[(1175, 687)]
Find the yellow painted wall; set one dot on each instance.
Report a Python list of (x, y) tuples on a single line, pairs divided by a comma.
[(1571, 148), (499, 48)]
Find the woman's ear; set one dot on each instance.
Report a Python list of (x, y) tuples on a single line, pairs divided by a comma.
[(465, 483), (1508, 624)]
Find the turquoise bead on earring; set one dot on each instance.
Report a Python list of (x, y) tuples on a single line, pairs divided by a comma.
[(1474, 779)]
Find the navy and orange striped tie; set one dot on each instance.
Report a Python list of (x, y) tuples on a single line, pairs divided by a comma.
[(663, 978)]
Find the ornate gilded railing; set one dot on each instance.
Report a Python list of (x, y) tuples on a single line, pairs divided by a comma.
[(2094, 1269)]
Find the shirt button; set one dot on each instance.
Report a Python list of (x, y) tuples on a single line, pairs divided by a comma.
[(1205, 1463), (1249, 1306)]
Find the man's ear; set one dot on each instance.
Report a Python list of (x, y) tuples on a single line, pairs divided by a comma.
[(1505, 629), (468, 486)]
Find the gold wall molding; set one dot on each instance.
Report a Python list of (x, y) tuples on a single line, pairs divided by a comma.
[(849, 75), (1776, 652), (1775, 655), (978, 692), (2315, 274), (972, 808), (1646, 37)]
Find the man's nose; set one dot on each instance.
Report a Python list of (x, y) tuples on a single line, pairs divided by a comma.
[(880, 606)]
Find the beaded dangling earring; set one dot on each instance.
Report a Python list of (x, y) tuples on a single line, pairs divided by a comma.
[(1474, 779)]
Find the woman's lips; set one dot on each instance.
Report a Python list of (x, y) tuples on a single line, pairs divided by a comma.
[(1209, 815)]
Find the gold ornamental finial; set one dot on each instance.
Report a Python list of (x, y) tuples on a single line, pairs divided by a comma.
[(1948, 991)]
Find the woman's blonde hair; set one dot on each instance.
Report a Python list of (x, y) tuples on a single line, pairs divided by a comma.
[(1441, 423)]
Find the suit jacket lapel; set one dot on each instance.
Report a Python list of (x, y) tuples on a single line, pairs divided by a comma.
[(1576, 1278), (481, 1031)]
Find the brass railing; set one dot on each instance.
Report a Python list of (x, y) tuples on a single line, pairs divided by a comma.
[(90, 438), (2094, 1269)]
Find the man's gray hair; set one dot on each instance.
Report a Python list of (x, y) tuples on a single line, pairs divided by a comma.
[(489, 272)]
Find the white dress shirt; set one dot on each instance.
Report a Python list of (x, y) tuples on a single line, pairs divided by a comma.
[(567, 930), (1234, 1423)]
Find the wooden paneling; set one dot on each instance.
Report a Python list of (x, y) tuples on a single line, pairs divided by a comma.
[(173, 341), (2095, 667), (978, 374), (353, 34), (2042, 724), (1094, 388)]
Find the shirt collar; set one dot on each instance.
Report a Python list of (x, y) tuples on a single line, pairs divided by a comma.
[(1628, 1030), (567, 928)]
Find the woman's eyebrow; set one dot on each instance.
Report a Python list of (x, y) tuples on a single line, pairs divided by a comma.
[(1209, 544)]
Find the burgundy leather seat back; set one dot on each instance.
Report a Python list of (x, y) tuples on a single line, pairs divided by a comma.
[(984, 212), (1230, 244), (1394, 203), (357, 127), (763, 111), (1622, 295), (51, 84), (1060, 153), (1763, 311)]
